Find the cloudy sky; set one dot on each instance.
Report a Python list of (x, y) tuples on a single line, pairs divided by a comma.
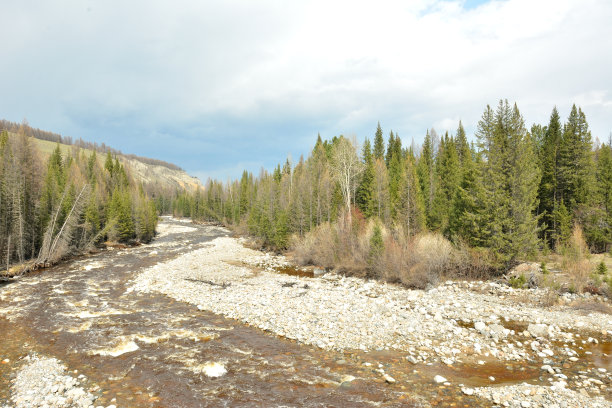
[(218, 86)]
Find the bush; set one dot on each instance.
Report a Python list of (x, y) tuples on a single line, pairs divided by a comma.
[(601, 269), (518, 282), (575, 260), (377, 246)]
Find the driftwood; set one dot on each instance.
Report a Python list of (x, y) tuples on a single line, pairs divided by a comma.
[(211, 283)]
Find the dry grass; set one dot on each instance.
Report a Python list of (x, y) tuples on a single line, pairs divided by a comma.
[(415, 261), (575, 260)]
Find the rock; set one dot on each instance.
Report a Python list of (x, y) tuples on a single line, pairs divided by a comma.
[(439, 379), (388, 378), (548, 369), (319, 271), (525, 404), (467, 391), (480, 327), (538, 330), (347, 378)]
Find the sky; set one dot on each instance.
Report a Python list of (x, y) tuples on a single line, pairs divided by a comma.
[(221, 86)]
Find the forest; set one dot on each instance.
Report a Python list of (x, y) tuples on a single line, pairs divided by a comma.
[(382, 209), (65, 205)]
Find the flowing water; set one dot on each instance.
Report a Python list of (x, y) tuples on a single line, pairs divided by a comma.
[(148, 350)]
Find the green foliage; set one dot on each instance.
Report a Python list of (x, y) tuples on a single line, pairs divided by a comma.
[(448, 175), (518, 282), (601, 269), (510, 178), (549, 190), (426, 174), (377, 246), (379, 143), (365, 190), (544, 269)]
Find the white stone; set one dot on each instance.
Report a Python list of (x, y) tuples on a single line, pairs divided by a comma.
[(439, 379)]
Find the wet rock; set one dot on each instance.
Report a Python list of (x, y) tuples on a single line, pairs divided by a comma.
[(439, 379)]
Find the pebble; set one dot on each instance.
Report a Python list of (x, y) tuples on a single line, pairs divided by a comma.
[(44, 382)]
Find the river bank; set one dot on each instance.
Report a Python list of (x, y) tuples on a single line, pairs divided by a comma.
[(454, 324)]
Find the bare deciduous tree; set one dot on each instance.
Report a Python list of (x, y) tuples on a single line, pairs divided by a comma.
[(346, 167)]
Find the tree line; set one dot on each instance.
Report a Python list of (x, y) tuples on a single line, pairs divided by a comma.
[(67, 205), (514, 191)]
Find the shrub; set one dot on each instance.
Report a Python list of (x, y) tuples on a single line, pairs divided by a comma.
[(575, 260), (601, 269), (544, 269), (377, 246), (518, 282)]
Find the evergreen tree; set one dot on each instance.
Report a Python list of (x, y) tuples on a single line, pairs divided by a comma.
[(390, 149), (395, 174), (549, 192), (379, 143), (448, 179), (513, 177), (365, 191), (461, 145), (426, 174), (576, 167)]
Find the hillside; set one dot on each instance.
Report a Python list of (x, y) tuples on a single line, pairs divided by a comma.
[(166, 176)]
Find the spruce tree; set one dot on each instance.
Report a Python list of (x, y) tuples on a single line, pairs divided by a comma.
[(549, 192), (390, 149), (395, 173), (510, 179), (448, 174), (461, 145), (379, 143), (576, 167), (426, 174), (365, 190)]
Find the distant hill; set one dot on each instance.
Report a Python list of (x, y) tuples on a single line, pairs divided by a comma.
[(143, 169)]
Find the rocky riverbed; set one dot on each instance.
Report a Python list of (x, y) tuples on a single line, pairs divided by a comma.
[(454, 324)]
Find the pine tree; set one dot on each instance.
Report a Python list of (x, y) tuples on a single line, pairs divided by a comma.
[(549, 192), (461, 145), (396, 173), (604, 177), (379, 143), (511, 178), (604, 182), (365, 191), (426, 174), (448, 179), (469, 218), (576, 167), (390, 149)]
